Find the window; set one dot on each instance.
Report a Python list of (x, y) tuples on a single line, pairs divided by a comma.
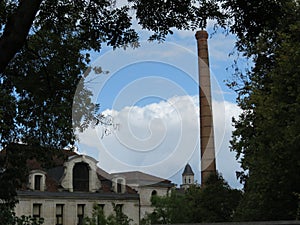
[(119, 213), (80, 214), (81, 177), (101, 206), (100, 214), (119, 208), (119, 186), (37, 182), (154, 192), (59, 214), (189, 180), (36, 210)]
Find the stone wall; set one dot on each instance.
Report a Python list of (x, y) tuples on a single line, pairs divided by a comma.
[(48, 208)]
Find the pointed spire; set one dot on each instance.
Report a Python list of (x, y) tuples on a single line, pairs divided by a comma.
[(188, 170)]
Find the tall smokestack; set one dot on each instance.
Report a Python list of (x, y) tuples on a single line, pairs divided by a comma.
[(207, 145)]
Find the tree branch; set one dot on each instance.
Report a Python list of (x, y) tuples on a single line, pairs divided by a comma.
[(16, 30)]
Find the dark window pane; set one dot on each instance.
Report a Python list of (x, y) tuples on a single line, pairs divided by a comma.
[(119, 187), (81, 177), (80, 214), (37, 182)]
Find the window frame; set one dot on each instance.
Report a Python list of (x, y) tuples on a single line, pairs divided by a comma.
[(37, 182), (80, 215), (59, 215), (39, 208)]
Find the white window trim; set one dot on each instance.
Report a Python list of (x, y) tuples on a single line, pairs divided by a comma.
[(31, 182)]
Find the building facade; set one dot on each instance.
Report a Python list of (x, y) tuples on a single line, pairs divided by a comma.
[(67, 192), (147, 186)]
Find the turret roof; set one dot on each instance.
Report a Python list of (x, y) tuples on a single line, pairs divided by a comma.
[(188, 170)]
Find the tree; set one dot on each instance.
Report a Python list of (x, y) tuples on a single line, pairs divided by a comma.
[(15, 171), (97, 17), (216, 202), (43, 58), (42, 77), (98, 217), (9, 218), (18, 24), (168, 209), (266, 136)]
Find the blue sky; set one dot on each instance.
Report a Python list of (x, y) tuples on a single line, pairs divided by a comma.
[(152, 95)]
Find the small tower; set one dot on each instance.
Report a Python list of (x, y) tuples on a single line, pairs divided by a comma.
[(187, 177)]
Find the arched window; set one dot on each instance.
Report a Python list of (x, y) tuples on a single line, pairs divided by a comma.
[(81, 177), (154, 192), (119, 185), (38, 182)]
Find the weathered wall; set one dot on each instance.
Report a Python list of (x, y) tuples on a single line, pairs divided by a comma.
[(145, 193), (48, 208)]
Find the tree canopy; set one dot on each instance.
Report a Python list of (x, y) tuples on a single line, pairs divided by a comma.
[(215, 202), (266, 136), (44, 49), (98, 217)]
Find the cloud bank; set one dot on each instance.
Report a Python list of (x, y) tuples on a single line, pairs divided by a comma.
[(160, 138)]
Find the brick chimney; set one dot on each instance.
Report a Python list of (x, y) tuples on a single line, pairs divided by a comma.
[(207, 145)]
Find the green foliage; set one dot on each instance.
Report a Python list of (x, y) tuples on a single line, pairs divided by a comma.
[(14, 174), (216, 202), (168, 209), (98, 217), (37, 88), (44, 61), (8, 217), (161, 16), (267, 135), (38, 85)]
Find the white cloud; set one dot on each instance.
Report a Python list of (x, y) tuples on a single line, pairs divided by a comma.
[(160, 138)]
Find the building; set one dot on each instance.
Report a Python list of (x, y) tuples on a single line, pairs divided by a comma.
[(146, 185), (66, 192), (187, 177)]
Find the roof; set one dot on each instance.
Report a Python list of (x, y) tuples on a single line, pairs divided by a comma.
[(143, 179), (54, 168), (77, 195), (188, 170), (53, 164)]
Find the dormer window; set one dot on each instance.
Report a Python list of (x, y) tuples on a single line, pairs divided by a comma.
[(37, 180), (81, 177), (119, 184), (80, 174)]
